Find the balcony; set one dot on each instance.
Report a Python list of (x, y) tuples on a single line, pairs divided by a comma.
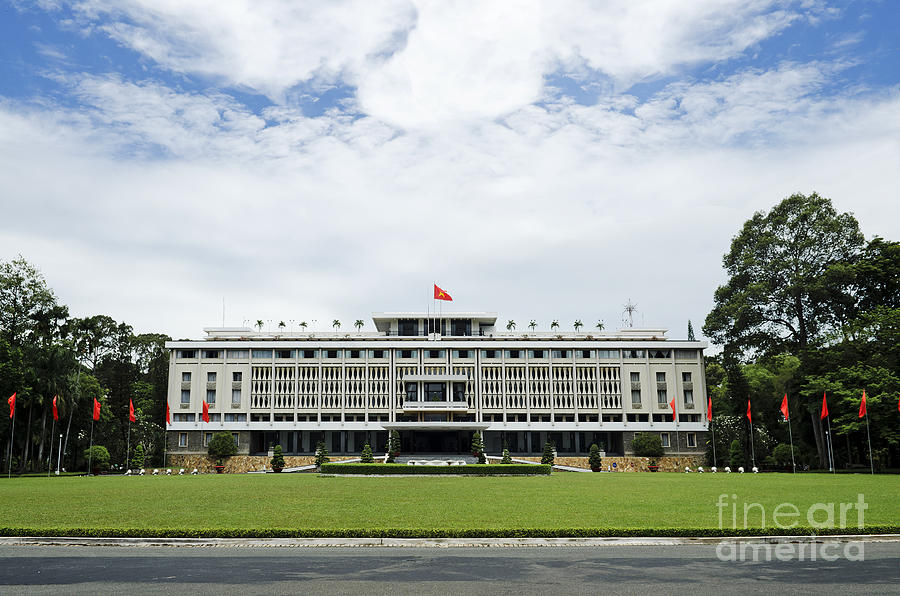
[(435, 406)]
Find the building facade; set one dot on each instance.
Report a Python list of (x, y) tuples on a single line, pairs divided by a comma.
[(436, 380)]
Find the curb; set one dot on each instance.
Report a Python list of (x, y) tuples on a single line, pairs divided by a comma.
[(431, 542)]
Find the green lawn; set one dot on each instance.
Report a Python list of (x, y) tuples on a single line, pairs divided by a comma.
[(307, 504)]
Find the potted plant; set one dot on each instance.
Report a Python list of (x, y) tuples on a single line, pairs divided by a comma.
[(98, 459), (277, 460), (594, 460), (648, 445), (221, 446)]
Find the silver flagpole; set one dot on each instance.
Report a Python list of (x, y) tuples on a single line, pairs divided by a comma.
[(91, 448), (50, 462), (869, 435), (830, 449), (791, 435), (12, 435), (713, 429)]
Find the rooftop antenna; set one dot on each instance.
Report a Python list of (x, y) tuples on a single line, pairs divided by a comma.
[(630, 309)]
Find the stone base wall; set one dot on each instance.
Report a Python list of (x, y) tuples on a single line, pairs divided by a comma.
[(666, 463), (239, 464)]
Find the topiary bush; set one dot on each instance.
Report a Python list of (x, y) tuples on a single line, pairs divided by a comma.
[(736, 454), (367, 457), (478, 447), (321, 454), (548, 456), (97, 458), (137, 458), (594, 459), (647, 445), (393, 446), (507, 459), (221, 446), (277, 460)]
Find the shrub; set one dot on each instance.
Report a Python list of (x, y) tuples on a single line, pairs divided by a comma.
[(367, 457), (137, 458), (403, 469), (736, 454), (506, 457), (393, 446), (594, 459), (647, 445), (547, 457), (321, 454), (277, 460), (98, 457), (221, 446), (781, 455), (478, 447)]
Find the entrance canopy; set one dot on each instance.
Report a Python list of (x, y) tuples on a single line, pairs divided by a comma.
[(399, 426)]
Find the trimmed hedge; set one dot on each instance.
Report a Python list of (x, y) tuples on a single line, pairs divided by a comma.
[(467, 470), (440, 532)]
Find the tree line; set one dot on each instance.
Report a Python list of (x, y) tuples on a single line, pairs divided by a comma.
[(45, 353), (810, 309)]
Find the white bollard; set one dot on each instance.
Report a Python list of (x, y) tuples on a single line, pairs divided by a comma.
[(741, 469), (714, 469), (755, 470), (728, 469)]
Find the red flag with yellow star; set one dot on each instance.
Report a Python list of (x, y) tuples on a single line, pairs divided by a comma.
[(440, 294)]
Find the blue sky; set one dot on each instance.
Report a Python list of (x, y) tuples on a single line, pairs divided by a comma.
[(548, 160)]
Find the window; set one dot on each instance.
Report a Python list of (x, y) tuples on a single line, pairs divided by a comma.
[(207, 437), (236, 397), (691, 440), (355, 354), (689, 398), (309, 354), (513, 353), (459, 391), (235, 418), (660, 377), (635, 389), (435, 392), (182, 417), (537, 354), (210, 354), (377, 354), (262, 353), (660, 353), (185, 377), (661, 397), (561, 354), (238, 354), (585, 353), (237, 377), (685, 377), (211, 397), (608, 354), (236, 439), (434, 353), (664, 437), (407, 327), (460, 327), (185, 396), (412, 391), (210, 377), (462, 353), (284, 354), (685, 354), (407, 353), (186, 354), (633, 353), (489, 354), (332, 353), (182, 439)]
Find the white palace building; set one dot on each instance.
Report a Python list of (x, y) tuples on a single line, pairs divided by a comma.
[(436, 380)]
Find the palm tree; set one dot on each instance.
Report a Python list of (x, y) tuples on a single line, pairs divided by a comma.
[(303, 324), (600, 326), (259, 324), (510, 325), (554, 324), (281, 326), (532, 324), (359, 325), (578, 325), (336, 324)]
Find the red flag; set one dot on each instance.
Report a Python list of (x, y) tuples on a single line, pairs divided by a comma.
[(862, 405), (824, 413), (55, 411), (440, 294), (898, 404), (672, 405), (205, 411), (12, 404), (131, 412), (168, 420), (96, 409), (748, 411), (709, 409), (784, 407)]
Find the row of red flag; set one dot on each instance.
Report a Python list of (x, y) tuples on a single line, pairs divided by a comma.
[(131, 417), (784, 407)]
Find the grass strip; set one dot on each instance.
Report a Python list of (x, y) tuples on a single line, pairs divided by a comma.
[(468, 470)]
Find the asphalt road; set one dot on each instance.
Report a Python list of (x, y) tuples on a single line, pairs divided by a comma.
[(376, 570)]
